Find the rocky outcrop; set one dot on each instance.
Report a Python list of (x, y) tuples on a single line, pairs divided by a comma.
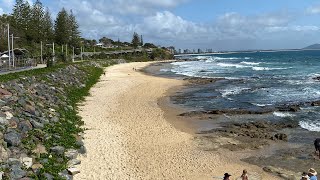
[(260, 129)]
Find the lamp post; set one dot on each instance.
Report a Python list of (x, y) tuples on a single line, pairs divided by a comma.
[(9, 45), (12, 37)]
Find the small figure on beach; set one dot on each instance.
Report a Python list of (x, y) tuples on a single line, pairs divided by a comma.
[(244, 175), (317, 146), (226, 176), (134, 69), (312, 173), (304, 176)]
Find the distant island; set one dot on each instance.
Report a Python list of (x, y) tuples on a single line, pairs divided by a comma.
[(313, 46)]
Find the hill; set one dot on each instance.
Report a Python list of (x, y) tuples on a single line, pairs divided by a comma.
[(314, 46)]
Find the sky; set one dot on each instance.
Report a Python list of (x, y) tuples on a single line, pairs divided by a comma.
[(193, 24)]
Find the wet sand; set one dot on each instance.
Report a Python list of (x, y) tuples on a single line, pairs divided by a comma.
[(130, 136)]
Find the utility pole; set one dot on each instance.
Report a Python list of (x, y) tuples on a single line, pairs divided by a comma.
[(12, 50), (81, 53), (41, 53), (9, 45), (53, 51)]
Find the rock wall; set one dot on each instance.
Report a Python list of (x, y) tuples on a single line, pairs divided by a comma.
[(40, 133)]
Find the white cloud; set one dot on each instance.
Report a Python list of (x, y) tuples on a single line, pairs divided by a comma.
[(313, 10)]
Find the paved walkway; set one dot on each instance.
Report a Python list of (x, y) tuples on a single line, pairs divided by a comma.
[(24, 69)]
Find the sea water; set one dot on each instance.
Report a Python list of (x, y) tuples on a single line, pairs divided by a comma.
[(255, 80)]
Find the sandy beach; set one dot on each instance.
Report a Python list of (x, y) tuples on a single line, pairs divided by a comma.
[(129, 136)]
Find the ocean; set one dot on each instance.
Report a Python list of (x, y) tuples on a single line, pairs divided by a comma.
[(254, 81)]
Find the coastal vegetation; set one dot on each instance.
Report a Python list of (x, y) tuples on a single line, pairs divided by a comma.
[(33, 27)]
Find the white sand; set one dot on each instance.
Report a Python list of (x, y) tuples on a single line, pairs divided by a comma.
[(129, 138)]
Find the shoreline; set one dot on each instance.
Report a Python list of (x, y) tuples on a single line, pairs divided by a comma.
[(130, 136)]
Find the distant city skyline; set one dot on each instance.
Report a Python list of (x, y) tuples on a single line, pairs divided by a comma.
[(205, 24)]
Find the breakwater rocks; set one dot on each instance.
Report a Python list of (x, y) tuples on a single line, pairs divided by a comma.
[(40, 131)]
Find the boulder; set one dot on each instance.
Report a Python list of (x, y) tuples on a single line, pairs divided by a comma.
[(25, 126), (73, 162), (37, 166), (36, 124), (58, 150), (73, 171), (71, 154), (27, 162), (65, 175), (3, 121), (8, 115), (12, 138), (17, 172), (30, 109)]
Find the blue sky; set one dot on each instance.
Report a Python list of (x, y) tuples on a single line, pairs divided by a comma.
[(216, 24)]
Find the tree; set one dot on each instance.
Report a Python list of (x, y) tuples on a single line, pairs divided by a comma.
[(141, 41), (36, 21), (47, 27), (135, 40), (21, 18), (74, 30), (61, 27)]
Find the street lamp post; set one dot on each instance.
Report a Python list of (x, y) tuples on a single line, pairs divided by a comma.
[(12, 37), (9, 45)]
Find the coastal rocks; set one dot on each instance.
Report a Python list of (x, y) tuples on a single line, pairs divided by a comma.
[(259, 130), (57, 150), (316, 78), (288, 175), (17, 172), (27, 162), (202, 81), (12, 138), (71, 154), (25, 126), (73, 171)]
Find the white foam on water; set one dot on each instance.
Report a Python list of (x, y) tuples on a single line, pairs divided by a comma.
[(283, 114), (261, 105), (310, 126), (165, 70), (266, 68), (231, 65), (250, 63), (237, 90)]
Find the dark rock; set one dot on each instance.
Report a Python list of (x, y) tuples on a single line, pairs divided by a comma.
[(316, 78), (315, 103), (5, 93), (17, 172), (12, 138), (65, 175), (25, 126), (281, 136), (29, 108), (58, 150), (36, 124), (291, 108)]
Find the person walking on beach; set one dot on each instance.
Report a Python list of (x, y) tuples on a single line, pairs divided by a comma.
[(312, 173), (305, 176), (244, 175), (226, 176)]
